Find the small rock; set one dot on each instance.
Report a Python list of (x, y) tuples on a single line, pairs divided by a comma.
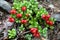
[(51, 6), (9, 23)]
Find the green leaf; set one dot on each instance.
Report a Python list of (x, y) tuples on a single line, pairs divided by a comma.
[(29, 39), (31, 22), (40, 31), (28, 36), (45, 35), (12, 33), (17, 21), (45, 32), (39, 27), (9, 36), (21, 28), (47, 25), (9, 31), (52, 19), (51, 27), (30, 26)]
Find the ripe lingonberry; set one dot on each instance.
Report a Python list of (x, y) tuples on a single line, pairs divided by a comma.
[(33, 30), (13, 11), (19, 15), (43, 16), (50, 23), (11, 19), (36, 35), (23, 21), (48, 16), (24, 8)]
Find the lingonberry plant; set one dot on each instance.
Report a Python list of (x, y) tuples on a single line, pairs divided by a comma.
[(31, 19), (12, 33)]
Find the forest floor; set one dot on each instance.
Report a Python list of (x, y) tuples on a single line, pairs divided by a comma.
[(56, 9)]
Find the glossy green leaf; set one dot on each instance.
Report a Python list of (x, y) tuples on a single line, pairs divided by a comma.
[(12, 33)]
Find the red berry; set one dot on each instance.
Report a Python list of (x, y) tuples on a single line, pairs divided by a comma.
[(50, 23), (47, 21), (33, 30), (19, 15), (13, 11), (48, 16), (43, 16), (24, 8), (36, 35), (11, 19), (27, 15), (23, 21)]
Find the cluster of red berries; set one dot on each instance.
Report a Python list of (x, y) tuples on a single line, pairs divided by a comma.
[(19, 15), (46, 18), (35, 32), (22, 21), (13, 11)]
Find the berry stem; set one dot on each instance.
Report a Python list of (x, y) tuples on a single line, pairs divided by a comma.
[(33, 22), (23, 14)]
